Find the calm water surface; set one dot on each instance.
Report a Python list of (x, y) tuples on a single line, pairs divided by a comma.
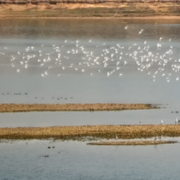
[(76, 160)]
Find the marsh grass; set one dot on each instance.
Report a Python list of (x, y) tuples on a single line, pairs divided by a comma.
[(101, 131), (130, 143), (72, 107)]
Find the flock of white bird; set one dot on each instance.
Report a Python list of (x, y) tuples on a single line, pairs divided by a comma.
[(155, 60)]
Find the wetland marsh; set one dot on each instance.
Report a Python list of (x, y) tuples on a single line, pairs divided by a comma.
[(92, 61)]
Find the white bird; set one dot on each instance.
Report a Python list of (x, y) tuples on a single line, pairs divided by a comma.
[(158, 45), (161, 121), (176, 121), (141, 31)]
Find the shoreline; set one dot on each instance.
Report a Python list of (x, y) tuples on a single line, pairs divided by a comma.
[(74, 107), (91, 132)]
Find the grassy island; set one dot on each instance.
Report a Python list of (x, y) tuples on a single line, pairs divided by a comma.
[(73, 107), (130, 143), (100, 131)]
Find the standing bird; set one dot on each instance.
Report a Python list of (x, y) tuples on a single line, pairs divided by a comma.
[(161, 121)]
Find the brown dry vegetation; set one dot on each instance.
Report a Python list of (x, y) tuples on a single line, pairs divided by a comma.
[(90, 9), (130, 143), (100, 131), (72, 107)]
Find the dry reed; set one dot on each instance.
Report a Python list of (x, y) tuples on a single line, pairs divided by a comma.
[(100, 131), (72, 107)]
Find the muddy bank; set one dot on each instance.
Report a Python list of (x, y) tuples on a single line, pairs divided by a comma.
[(73, 107), (84, 9), (90, 132)]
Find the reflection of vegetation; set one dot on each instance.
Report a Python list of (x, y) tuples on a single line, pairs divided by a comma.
[(72, 107), (65, 27), (101, 131)]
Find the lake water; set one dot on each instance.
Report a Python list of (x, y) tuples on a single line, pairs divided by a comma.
[(76, 160), (89, 61)]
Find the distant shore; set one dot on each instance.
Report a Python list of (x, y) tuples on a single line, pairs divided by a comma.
[(92, 132), (94, 9), (73, 107)]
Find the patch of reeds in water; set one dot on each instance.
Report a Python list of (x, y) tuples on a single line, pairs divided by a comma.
[(73, 107), (130, 143), (100, 131)]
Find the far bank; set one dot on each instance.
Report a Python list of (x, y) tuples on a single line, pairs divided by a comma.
[(87, 9)]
